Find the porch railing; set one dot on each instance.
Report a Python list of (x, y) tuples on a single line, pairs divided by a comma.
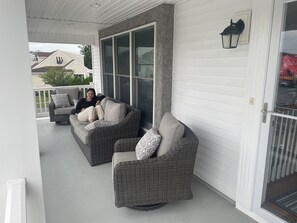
[(16, 201), (283, 153), (42, 97)]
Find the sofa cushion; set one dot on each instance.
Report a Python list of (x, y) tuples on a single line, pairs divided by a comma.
[(61, 100), (148, 144), (99, 112), (171, 130), (122, 157), (98, 124), (114, 112), (74, 121), (72, 93), (103, 103), (64, 111), (82, 133)]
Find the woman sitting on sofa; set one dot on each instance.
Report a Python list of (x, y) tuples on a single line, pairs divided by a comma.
[(88, 107)]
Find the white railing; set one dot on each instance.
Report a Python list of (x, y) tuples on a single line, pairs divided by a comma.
[(283, 153), (16, 201), (42, 98)]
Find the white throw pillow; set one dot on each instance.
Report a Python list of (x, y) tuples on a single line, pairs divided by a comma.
[(114, 112), (99, 112), (98, 124), (148, 144), (61, 100)]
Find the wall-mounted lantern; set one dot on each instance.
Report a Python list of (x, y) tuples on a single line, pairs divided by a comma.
[(230, 35)]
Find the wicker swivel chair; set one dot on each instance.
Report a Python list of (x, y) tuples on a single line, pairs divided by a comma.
[(151, 182)]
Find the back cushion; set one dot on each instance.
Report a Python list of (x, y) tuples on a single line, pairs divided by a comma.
[(103, 103), (171, 131), (72, 93), (114, 112)]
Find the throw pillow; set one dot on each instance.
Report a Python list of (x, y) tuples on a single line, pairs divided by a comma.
[(61, 100), (72, 93), (98, 124), (99, 112), (148, 144), (171, 131), (114, 112)]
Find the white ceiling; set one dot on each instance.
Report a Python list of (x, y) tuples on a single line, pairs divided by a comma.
[(77, 21)]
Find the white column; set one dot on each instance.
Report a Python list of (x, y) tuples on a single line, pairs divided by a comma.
[(19, 152), (96, 63)]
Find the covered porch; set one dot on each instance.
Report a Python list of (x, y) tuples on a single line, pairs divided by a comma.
[(76, 192)]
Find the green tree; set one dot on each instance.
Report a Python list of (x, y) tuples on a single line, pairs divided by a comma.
[(87, 52), (57, 77)]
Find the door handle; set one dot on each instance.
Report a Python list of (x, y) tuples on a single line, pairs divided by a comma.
[(264, 111)]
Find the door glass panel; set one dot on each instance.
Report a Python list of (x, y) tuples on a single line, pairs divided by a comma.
[(107, 55), (280, 184)]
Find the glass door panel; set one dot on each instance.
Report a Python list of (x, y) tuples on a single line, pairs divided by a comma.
[(280, 189)]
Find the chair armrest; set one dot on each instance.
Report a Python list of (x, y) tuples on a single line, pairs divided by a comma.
[(51, 108), (125, 145)]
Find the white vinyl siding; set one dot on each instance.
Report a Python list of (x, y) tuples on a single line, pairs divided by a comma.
[(209, 86), (96, 66)]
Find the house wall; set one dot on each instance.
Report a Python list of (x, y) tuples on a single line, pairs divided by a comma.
[(78, 68), (19, 152), (209, 85), (51, 60), (78, 57)]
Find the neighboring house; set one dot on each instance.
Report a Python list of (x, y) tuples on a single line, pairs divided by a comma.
[(43, 61)]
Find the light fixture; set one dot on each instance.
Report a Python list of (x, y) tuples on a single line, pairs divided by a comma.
[(230, 35)]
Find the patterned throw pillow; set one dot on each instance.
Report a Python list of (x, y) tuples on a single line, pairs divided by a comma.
[(148, 144), (98, 124), (61, 100)]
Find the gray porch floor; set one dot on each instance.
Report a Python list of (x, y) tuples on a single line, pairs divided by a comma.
[(75, 192)]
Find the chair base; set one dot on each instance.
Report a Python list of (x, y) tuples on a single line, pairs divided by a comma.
[(149, 207)]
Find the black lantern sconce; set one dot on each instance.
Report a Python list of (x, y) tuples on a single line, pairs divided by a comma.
[(230, 35)]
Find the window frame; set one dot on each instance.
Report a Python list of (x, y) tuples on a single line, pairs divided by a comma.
[(132, 63)]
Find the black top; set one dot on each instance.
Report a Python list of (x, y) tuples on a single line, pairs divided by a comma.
[(83, 103)]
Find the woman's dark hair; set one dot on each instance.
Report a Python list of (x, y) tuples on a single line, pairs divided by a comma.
[(93, 90)]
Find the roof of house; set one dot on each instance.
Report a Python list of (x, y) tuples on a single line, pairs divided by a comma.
[(45, 69), (41, 54)]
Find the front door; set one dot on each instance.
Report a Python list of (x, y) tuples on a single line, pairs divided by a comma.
[(279, 128)]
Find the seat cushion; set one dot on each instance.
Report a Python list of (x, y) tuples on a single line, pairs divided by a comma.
[(122, 157), (114, 112), (74, 121), (171, 130), (98, 124), (148, 144), (61, 100), (64, 111), (82, 133), (72, 93)]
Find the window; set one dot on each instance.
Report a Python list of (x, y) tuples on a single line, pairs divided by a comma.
[(133, 85), (123, 68), (108, 68), (81, 76)]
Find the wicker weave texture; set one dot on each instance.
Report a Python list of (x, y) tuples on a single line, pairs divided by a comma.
[(101, 141), (157, 180)]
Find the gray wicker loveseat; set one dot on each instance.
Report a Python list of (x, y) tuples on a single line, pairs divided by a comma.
[(62, 114), (98, 144), (164, 178)]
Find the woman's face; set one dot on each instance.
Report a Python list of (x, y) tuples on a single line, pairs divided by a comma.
[(90, 95)]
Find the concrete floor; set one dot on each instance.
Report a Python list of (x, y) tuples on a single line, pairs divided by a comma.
[(75, 192)]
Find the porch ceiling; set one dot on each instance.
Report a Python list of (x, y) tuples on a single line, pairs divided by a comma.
[(77, 21)]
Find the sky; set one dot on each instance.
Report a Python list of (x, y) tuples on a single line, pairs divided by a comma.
[(49, 47)]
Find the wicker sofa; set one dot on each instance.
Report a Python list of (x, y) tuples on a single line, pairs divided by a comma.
[(62, 114), (98, 144), (161, 179)]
